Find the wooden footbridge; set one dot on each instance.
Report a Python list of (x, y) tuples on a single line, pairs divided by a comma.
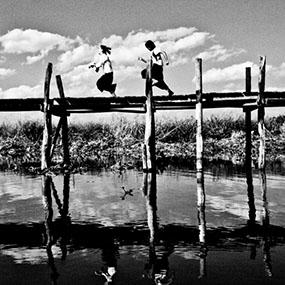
[(63, 107)]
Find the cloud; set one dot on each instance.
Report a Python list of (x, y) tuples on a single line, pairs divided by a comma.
[(4, 72), (230, 73), (126, 50), (219, 53), (74, 57), (2, 59), (22, 91), (38, 43), (191, 41), (176, 42), (71, 57), (279, 72)]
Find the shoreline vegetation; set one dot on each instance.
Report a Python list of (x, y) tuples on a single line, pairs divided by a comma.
[(117, 145)]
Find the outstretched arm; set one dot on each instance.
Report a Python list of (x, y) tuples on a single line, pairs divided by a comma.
[(94, 66), (142, 59)]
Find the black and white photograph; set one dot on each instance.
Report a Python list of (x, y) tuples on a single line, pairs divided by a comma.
[(142, 142)]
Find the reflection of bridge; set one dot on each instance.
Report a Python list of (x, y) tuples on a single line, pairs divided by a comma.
[(94, 236)]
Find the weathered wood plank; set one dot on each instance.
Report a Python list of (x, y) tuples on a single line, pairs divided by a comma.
[(106, 104), (261, 112), (46, 143)]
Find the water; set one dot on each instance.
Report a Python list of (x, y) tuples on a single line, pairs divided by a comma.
[(95, 221)]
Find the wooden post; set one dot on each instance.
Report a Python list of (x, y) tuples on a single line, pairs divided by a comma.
[(199, 133), (248, 122), (248, 161), (201, 197), (56, 135), (66, 158), (46, 144), (248, 80), (261, 112), (149, 140)]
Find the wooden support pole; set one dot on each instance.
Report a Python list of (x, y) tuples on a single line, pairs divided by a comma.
[(46, 143), (248, 122), (58, 128), (66, 157), (248, 161), (248, 80), (261, 112), (149, 139), (201, 197), (199, 133)]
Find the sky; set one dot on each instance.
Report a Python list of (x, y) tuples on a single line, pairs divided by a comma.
[(229, 35)]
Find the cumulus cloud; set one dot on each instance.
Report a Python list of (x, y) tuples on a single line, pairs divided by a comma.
[(22, 91), (21, 41), (2, 59), (38, 43), (5, 72), (230, 73), (279, 72), (74, 57), (126, 50), (219, 53)]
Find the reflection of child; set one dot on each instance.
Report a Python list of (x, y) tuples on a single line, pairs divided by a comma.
[(110, 255), (157, 56), (108, 273), (105, 82), (158, 268)]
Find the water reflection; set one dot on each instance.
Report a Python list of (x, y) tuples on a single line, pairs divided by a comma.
[(161, 243), (265, 220), (265, 224), (157, 267), (57, 231), (201, 206), (110, 255)]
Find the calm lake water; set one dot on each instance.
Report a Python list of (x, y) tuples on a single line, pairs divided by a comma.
[(83, 226)]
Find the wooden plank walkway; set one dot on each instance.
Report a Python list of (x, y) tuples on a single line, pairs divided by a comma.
[(136, 104)]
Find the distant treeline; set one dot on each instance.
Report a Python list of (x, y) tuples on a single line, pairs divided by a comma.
[(105, 144)]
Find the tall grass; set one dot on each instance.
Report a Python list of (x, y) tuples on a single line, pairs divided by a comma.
[(102, 141)]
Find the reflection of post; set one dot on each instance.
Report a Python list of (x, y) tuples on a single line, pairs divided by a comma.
[(149, 191), (251, 203), (66, 189), (199, 168), (47, 203), (62, 223), (202, 227), (265, 224), (157, 268), (64, 219)]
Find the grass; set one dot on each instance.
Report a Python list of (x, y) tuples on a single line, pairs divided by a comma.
[(119, 144)]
